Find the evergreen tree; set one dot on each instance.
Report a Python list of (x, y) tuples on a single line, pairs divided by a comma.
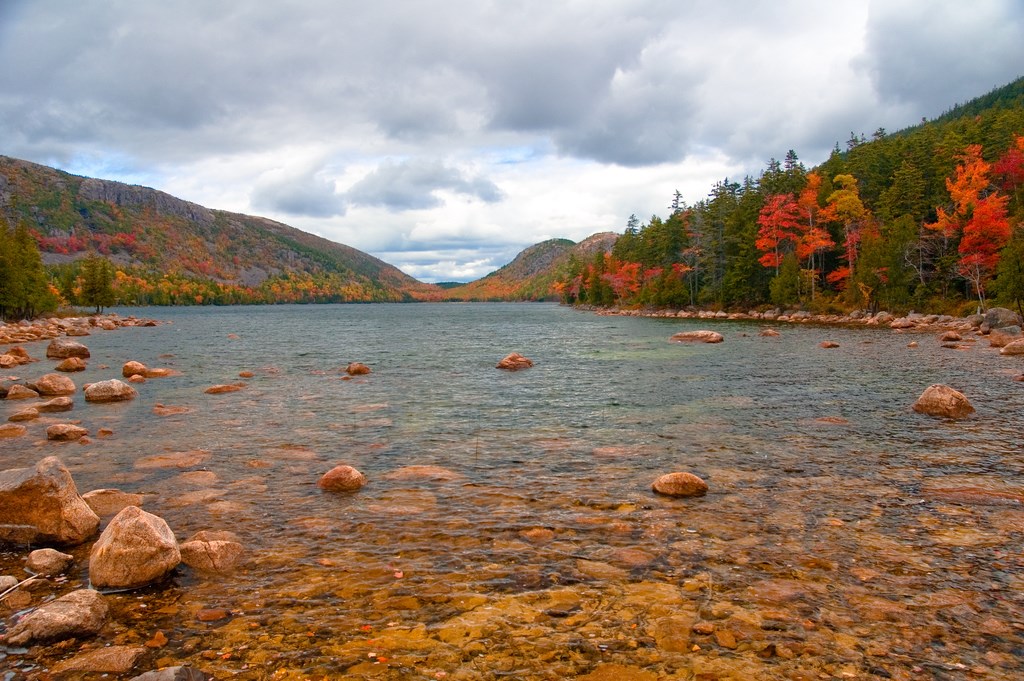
[(97, 283)]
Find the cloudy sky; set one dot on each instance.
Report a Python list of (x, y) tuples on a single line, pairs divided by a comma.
[(445, 136)]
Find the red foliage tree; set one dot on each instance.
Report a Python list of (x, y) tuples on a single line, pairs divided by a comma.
[(777, 224)]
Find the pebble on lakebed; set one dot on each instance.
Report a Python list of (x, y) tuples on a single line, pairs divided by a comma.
[(680, 485)]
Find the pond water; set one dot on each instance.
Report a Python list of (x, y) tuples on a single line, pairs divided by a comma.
[(843, 536)]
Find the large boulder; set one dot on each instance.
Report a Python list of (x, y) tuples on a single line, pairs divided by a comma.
[(701, 336), (41, 505), (54, 384), (112, 390), (943, 402), (62, 348), (79, 613), (135, 549), (1000, 317)]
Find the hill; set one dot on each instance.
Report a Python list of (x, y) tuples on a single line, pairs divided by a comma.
[(171, 251), (532, 274)]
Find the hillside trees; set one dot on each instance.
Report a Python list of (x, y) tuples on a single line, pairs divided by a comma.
[(24, 286), (97, 287)]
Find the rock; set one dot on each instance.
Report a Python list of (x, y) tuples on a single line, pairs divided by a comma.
[(8, 361), (998, 338), (610, 671), (180, 673), (9, 430), (828, 344), (423, 472), (160, 373), (71, 364), (41, 505), (883, 318), (213, 555), (56, 405), (702, 336), (942, 401), (1013, 348), (136, 549), (769, 333), (514, 362), (341, 479), (111, 390), (1000, 317), (108, 660), (221, 389), (54, 384), (107, 503), (48, 562), (680, 485), (19, 354), (65, 432), (133, 368), (62, 348), (77, 614), (25, 414), (20, 392), (170, 410), (193, 457), (136, 378), (950, 336), (357, 369)]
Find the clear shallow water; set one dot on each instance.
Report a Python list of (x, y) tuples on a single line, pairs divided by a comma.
[(823, 550)]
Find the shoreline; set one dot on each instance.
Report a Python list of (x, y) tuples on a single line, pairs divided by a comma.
[(48, 328)]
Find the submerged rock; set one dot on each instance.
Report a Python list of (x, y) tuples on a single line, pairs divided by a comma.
[(41, 505), (9, 430), (828, 344), (107, 660), (224, 388), (341, 479), (57, 404), (20, 392), (701, 336), (514, 362), (680, 485), (133, 368), (944, 402), (136, 549), (77, 614), (179, 673), (107, 503), (212, 552)]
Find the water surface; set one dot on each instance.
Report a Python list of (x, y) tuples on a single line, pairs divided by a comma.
[(836, 542)]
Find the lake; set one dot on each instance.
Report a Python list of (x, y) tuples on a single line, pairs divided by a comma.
[(843, 536)]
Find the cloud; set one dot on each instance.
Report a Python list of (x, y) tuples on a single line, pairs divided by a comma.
[(929, 59), (302, 193), (415, 184), (386, 125)]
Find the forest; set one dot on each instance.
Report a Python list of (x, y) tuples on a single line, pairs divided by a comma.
[(930, 218)]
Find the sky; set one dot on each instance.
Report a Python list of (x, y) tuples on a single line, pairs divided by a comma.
[(445, 136)]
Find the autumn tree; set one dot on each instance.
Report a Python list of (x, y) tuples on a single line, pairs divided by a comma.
[(978, 217), (845, 207), (777, 225)]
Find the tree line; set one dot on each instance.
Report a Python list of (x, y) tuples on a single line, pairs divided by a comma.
[(929, 218)]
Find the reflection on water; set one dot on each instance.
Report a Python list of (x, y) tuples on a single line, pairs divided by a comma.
[(508, 529)]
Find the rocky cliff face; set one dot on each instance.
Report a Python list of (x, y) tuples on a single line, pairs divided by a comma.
[(135, 196)]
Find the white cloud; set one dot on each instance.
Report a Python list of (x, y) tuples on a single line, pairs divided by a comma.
[(466, 131)]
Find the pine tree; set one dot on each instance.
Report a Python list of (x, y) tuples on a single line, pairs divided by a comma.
[(97, 283)]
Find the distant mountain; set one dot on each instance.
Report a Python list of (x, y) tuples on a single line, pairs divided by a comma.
[(173, 251), (532, 274)]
